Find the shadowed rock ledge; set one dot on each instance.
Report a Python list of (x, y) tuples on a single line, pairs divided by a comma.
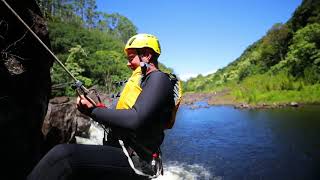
[(25, 88)]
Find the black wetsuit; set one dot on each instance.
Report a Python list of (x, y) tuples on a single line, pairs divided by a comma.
[(143, 124)]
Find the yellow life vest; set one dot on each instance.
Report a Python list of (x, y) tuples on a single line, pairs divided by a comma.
[(132, 90)]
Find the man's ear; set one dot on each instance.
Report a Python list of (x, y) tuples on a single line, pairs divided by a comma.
[(148, 55)]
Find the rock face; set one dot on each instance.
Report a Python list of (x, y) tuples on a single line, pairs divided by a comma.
[(63, 122), (24, 90)]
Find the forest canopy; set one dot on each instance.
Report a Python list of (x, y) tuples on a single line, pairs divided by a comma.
[(90, 43)]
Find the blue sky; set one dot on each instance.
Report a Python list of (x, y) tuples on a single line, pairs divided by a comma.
[(199, 37)]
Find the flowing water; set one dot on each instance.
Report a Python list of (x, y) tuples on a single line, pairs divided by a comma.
[(221, 142)]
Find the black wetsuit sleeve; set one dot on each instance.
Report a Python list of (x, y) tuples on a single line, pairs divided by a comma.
[(154, 96)]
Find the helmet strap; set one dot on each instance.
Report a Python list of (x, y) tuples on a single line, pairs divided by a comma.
[(144, 65)]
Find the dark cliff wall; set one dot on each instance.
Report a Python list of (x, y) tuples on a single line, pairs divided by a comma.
[(24, 88)]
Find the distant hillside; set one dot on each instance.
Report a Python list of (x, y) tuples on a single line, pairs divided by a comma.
[(285, 61)]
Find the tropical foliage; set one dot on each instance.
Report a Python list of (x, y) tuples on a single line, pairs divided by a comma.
[(284, 65), (89, 43)]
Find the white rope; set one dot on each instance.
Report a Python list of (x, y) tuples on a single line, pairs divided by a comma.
[(37, 37), (132, 165)]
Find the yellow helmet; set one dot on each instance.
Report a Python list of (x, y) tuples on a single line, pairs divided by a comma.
[(143, 40)]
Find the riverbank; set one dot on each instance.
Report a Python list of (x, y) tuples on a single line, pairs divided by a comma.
[(225, 98)]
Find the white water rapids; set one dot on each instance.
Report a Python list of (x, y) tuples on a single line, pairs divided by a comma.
[(173, 170)]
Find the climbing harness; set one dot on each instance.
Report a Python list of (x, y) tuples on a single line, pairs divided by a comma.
[(128, 97), (156, 163), (80, 89)]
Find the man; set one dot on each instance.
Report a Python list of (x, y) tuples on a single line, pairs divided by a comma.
[(138, 123)]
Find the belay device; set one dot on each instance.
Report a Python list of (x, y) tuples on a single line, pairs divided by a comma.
[(81, 90)]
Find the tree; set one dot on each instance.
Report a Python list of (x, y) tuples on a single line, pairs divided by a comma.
[(307, 13), (119, 26), (90, 13), (305, 50), (275, 44), (107, 67), (59, 77), (79, 8)]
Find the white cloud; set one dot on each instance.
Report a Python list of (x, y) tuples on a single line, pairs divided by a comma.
[(189, 75)]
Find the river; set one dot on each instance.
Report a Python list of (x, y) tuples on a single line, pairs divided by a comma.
[(222, 143)]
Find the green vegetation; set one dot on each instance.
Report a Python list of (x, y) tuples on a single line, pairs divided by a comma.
[(283, 66), (89, 43), (279, 88)]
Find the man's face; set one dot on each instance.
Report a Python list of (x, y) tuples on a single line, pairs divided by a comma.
[(133, 59)]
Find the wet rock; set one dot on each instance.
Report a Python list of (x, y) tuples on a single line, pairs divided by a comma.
[(63, 122), (294, 104), (242, 106), (59, 100)]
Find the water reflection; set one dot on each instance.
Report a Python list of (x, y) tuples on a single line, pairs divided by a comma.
[(247, 144)]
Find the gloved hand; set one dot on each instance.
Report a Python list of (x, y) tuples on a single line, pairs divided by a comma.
[(84, 105)]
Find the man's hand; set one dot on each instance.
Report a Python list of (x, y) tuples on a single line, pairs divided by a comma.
[(84, 105)]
